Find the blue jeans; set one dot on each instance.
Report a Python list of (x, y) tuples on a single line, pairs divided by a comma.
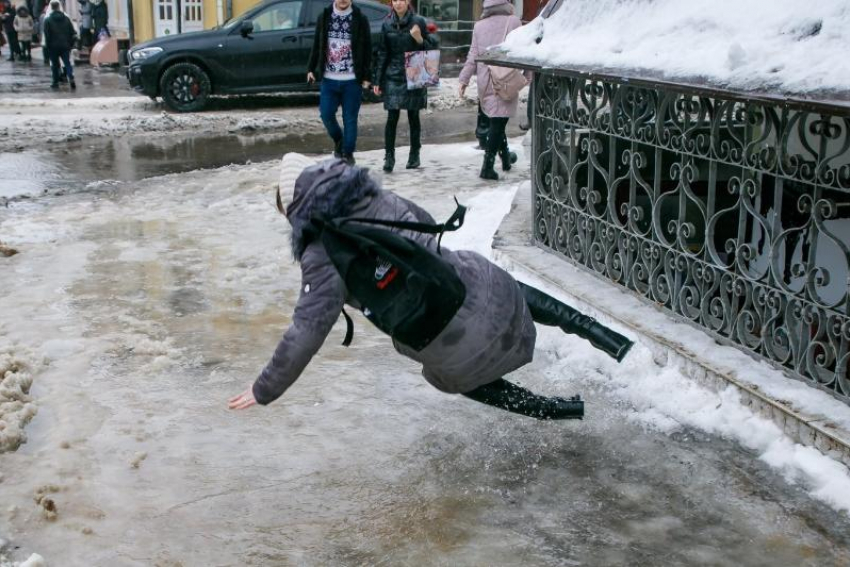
[(65, 55), (331, 96)]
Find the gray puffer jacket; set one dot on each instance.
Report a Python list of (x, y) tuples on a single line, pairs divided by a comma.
[(492, 333)]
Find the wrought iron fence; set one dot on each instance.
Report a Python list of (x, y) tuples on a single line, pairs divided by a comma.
[(731, 212)]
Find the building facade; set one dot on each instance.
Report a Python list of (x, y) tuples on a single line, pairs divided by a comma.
[(149, 19)]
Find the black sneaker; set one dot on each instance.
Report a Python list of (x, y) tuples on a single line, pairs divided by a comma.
[(54, 86), (73, 85), (349, 159), (338, 149)]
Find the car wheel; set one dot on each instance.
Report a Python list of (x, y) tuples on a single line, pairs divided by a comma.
[(185, 87)]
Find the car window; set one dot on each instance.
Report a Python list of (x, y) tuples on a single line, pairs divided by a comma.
[(374, 13), (278, 17), (313, 11)]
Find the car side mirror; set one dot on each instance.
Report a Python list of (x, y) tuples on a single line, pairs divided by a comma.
[(247, 28)]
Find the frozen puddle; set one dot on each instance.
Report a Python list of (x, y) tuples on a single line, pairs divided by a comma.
[(143, 310)]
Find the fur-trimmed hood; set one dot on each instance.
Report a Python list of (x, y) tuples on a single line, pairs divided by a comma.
[(330, 189)]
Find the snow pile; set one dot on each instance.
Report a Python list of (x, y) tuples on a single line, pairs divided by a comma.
[(113, 103), (16, 406), (785, 45), (666, 400), (447, 97), (34, 560), (81, 123)]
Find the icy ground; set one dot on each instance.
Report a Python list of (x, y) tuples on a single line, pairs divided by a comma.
[(137, 311), (35, 122), (778, 45)]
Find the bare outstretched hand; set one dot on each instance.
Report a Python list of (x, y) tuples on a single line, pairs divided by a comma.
[(242, 401)]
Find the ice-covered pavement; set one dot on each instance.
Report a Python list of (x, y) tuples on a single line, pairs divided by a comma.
[(138, 310)]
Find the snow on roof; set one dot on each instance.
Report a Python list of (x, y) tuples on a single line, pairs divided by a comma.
[(788, 46)]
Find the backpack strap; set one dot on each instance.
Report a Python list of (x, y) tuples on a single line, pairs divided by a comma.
[(349, 329), (454, 222)]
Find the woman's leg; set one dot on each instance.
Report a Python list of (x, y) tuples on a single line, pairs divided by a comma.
[(389, 139), (547, 310), (515, 399), (506, 155), (494, 141), (415, 138), (482, 126)]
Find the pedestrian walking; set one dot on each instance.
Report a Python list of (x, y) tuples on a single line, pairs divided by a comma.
[(7, 13), (24, 27), (100, 19), (59, 36), (468, 351), (86, 24), (497, 20), (45, 53), (402, 31), (341, 60)]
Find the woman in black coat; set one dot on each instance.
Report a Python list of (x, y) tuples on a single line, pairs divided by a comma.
[(402, 31)]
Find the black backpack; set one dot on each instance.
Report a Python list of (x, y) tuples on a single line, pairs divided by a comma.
[(404, 289)]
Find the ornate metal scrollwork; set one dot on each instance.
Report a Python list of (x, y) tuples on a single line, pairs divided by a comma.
[(731, 213)]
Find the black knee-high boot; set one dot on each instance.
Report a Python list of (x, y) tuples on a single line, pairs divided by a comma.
[(487, 171), (516, 399), (415, 136), (547, 310), (506, 155), (389, 140)]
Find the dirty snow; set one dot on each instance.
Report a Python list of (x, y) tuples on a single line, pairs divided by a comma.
[(27, 122), (779, 45), (34, 560), (16, 406)]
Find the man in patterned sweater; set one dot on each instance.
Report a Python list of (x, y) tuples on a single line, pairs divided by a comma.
[(341, 59)]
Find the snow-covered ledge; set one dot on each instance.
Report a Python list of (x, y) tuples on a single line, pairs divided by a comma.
[(809, 416)]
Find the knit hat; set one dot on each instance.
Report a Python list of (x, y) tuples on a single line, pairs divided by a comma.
[(327, 189), (291, 167)]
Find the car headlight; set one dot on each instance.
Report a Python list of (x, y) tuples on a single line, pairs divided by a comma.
[(139, 54)]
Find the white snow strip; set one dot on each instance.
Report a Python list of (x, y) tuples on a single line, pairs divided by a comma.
[(665, 400)]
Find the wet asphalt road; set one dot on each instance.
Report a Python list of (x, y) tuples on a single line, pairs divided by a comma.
[(32, 79)]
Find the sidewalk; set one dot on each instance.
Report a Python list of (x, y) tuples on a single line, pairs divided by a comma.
[(31, 79), (807, 415)]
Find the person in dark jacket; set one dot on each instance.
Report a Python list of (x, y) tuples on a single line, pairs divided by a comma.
[(99, 19), (59, 36), (491, 334), (341, 59), (7, 14), (401, 32), (86, 25)]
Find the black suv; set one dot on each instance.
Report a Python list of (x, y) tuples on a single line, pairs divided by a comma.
[(264, 50)]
